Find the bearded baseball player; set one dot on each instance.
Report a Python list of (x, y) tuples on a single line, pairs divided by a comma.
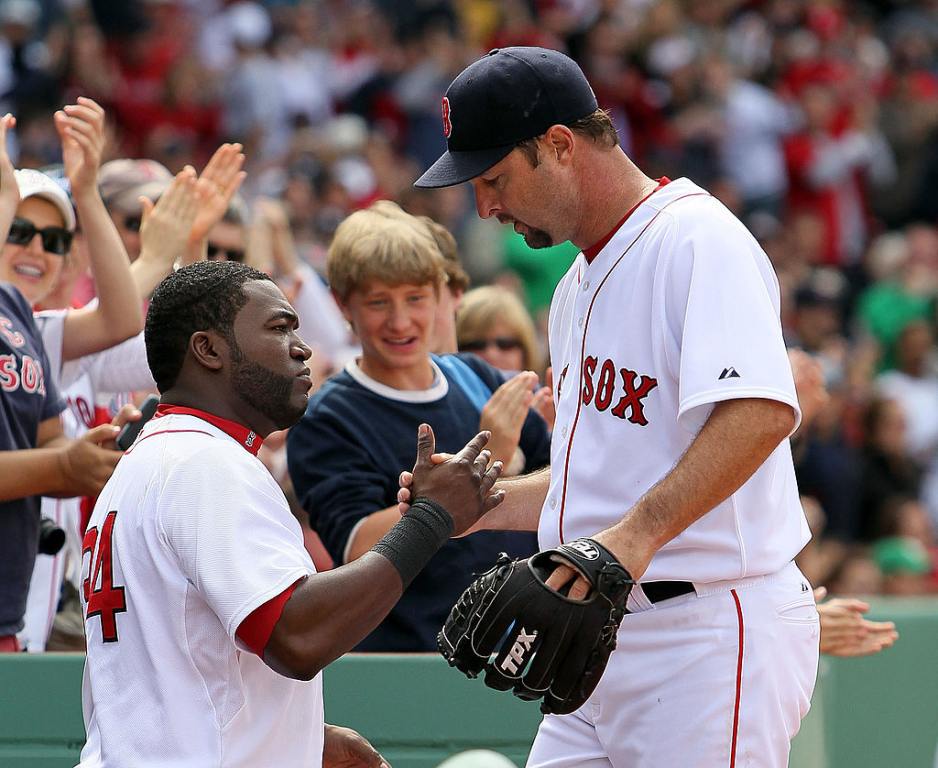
[(206, 622), (670, 501)]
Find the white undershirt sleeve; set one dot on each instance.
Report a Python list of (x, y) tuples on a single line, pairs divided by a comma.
[(122, 368)]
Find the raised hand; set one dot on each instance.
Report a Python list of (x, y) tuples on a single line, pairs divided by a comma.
[(81, 129), (461, 484), (165, 225), (9, 190), (504, 414), (217, 184), (544, 400)]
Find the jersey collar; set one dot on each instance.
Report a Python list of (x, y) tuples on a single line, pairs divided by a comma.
[(593, 251), (248, 438)]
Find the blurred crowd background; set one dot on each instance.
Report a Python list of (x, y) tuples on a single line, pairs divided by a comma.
[(815, 122)]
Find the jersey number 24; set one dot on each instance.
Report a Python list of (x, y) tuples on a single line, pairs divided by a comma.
[(102, 598)]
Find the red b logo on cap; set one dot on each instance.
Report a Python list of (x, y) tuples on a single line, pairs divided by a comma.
[(447, 125)]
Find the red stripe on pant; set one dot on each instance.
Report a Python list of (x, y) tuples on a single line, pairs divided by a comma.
[(739, 677)]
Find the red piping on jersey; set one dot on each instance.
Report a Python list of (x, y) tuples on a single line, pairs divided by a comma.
[(248, 438), (593, 251), (586, 325), (739, 678), (164, 432)]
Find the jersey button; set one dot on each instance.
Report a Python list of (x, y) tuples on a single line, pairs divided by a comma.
[(563, 432), (586, 285), (580, 322), (553, 502)]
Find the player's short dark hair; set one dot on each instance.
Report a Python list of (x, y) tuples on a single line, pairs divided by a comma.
[(203, 296), (597, 126)]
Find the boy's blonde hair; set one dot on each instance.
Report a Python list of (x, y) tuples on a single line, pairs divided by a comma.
[(482, 307), (372, 246), (457, 279)]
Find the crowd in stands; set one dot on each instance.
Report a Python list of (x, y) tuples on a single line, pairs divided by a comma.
[(252, 131)]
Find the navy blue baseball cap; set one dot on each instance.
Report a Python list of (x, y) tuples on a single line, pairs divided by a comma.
[(507, 96)]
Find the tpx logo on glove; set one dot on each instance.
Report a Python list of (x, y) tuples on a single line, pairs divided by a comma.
[(585, 548), (515, 658)]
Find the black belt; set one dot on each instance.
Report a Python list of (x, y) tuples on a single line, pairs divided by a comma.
[(656, 591)]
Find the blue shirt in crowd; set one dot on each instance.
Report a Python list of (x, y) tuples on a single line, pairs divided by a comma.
[(28, 396)]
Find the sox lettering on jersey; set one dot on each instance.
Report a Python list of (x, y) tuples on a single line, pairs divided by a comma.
[(25, 374), (600, 390)]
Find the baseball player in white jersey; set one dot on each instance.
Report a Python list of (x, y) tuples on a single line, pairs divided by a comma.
[(674, 400), (206, 622)]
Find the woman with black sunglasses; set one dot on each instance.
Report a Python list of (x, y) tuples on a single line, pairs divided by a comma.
[(38, 241)]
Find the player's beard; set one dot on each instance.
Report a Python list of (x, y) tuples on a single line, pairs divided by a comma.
[(267, 392), (537, 238)]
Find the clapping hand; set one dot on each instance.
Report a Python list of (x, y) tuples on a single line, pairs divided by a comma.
[(844, 630), (81, 129), (217, 184), (9, 190), (165, 225)]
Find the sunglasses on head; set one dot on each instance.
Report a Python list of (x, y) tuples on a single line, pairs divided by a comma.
[(504, 343), (55, 240), (217, 253)]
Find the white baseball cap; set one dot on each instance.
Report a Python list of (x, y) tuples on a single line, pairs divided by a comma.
[(34, 183)]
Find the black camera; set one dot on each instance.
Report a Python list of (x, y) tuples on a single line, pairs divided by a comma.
[(51, 537)]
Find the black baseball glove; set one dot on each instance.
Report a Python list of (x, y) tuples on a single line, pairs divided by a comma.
[(533, 640)]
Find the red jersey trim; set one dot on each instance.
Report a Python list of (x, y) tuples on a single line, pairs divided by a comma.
[(593, 251), (248, 438), (258, 626), (739, 677), (586, 325)]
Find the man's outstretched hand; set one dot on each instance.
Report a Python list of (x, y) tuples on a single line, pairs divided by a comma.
[(461, 483)]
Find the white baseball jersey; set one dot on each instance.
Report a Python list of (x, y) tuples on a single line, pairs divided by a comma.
[(678, 311), (190, 535)]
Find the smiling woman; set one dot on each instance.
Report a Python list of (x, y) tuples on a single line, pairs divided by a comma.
[(33, 263)]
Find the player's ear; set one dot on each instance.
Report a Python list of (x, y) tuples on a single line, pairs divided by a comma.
[(207, 349), (559, 142)]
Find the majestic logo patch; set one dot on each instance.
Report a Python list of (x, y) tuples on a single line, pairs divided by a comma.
[(729, 373), (447, 123), (584, 548), (515, 659), (249, 440)]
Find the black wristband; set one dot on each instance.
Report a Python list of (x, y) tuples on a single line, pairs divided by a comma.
[(411, 543)]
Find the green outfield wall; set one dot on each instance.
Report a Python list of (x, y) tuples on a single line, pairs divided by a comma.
[(867, 713)]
